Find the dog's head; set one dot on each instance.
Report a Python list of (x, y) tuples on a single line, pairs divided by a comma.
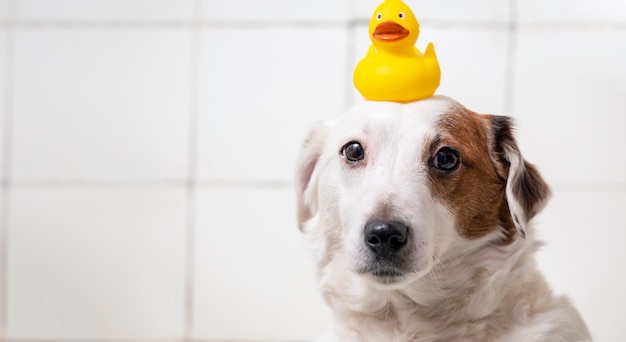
[(390, 189)]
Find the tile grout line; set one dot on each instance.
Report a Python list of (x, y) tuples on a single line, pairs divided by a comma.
[(349, 61), (305, 23), (350, 51), (198, 183), (511, 49), (48, 339), (353, 22), (9, 92), (142, 340), (211, 184), (194, 98)]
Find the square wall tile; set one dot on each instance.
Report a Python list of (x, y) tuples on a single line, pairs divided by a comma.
[(83, 10), (582, 11), (584, 253), (448, 10), (476, 79), (252, 269), (258, 99), (101, 104), (569, 105), (238, 10), (96, 263)]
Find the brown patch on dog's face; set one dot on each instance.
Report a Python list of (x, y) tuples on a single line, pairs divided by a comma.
[(473, 190)]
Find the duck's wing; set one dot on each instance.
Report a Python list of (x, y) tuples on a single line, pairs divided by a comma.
[(430, 51)]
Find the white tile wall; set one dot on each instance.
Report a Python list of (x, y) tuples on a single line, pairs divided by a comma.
[(87, 10), (566, 87), (103, 96), (260, 92), (3, 84), (103, 104), (476, 79), (96, 263), (269, 10), (251, 267), (582, 11), (4, 10), (2, 264), (585, 241)]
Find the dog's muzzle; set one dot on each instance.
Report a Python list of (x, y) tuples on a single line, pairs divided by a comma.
[(385, 242)]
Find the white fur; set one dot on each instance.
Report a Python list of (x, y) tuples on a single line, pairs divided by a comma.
[(459, 289)]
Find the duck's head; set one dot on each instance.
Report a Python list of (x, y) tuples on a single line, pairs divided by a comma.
[(393, 26)]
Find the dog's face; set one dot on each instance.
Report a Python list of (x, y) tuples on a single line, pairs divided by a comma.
[(389, 190)]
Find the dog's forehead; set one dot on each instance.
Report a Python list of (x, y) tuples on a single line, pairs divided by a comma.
[(424, 109), (382, 117)]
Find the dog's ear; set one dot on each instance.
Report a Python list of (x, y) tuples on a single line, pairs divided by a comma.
[(526, 191), (306, 174)]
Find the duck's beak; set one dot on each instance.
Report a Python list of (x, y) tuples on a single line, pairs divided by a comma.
[(390, 31)]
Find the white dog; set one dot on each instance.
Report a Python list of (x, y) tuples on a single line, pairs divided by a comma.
[(419, 216)]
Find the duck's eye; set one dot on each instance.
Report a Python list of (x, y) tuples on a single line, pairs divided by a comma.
[(447, 159), (401, 15), (353, 152), (379, 16)]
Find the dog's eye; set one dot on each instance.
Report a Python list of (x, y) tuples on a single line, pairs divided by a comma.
[(446, 159), (353, 152)]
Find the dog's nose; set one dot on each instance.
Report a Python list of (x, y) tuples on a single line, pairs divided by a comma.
[(385, 238)]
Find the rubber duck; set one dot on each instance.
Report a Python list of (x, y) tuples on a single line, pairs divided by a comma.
[(394, 69)]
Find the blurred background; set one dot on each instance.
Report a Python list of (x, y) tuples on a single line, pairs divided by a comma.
[(148, 147)]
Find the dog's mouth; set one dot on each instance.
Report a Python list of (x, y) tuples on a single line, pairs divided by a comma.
[(384, 274)]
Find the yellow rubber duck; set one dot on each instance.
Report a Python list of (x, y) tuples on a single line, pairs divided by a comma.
[(394, 69)]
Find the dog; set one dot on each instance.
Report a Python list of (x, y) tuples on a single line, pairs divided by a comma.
[(418, 216)]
